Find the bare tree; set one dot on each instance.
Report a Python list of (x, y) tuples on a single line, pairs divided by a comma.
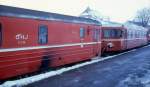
[(143, 17)]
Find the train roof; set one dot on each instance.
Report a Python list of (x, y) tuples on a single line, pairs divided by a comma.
[(32, 14), (111, 24)]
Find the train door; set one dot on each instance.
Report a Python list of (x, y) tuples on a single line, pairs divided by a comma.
[(125, 39), (96, 38), (42, 40), (82, 34)]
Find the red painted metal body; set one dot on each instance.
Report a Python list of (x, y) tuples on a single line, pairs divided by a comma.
[(112, 44), (130, 38), (21, 53)]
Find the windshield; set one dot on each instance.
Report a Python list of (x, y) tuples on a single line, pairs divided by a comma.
[(112, 33)]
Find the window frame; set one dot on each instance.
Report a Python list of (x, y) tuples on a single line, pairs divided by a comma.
[(82, 32), (112, 33), (39, 34)]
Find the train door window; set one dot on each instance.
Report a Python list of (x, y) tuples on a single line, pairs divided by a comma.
[(82, 32), (43, 34), (94, 34), (0, 34)]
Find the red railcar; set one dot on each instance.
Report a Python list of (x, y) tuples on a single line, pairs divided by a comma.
[(112, 36), (33, 40), (118, 37)]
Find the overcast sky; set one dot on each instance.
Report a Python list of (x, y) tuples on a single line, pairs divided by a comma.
[(117, 10)]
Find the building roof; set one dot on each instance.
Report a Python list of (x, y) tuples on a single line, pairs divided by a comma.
[(40, 15)]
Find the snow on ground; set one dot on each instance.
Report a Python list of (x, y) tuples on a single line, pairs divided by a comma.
[(139, 79), (32, 79)]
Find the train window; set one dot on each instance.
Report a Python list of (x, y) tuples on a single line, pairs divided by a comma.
[(138, 35), (116, 33), (82, 32), (131, 35), (113, 33), (107, 33), (97, 34), (119, 33), (43, 34), (0, 34)]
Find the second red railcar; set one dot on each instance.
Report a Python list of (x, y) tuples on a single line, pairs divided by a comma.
[(112, 36), (118, 37)]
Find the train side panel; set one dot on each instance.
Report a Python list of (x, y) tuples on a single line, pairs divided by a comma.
[(23, 50)]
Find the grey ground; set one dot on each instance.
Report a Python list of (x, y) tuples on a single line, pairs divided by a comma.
[(127, 70)]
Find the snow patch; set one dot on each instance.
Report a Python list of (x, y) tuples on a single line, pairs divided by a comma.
[(141, 78)]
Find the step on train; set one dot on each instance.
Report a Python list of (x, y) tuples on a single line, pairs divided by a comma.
[(32, 40)]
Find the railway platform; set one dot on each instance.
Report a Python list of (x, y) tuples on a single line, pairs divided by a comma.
[(131, 69)]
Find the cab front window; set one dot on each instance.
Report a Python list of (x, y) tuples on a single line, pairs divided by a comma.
[(112, 33)]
